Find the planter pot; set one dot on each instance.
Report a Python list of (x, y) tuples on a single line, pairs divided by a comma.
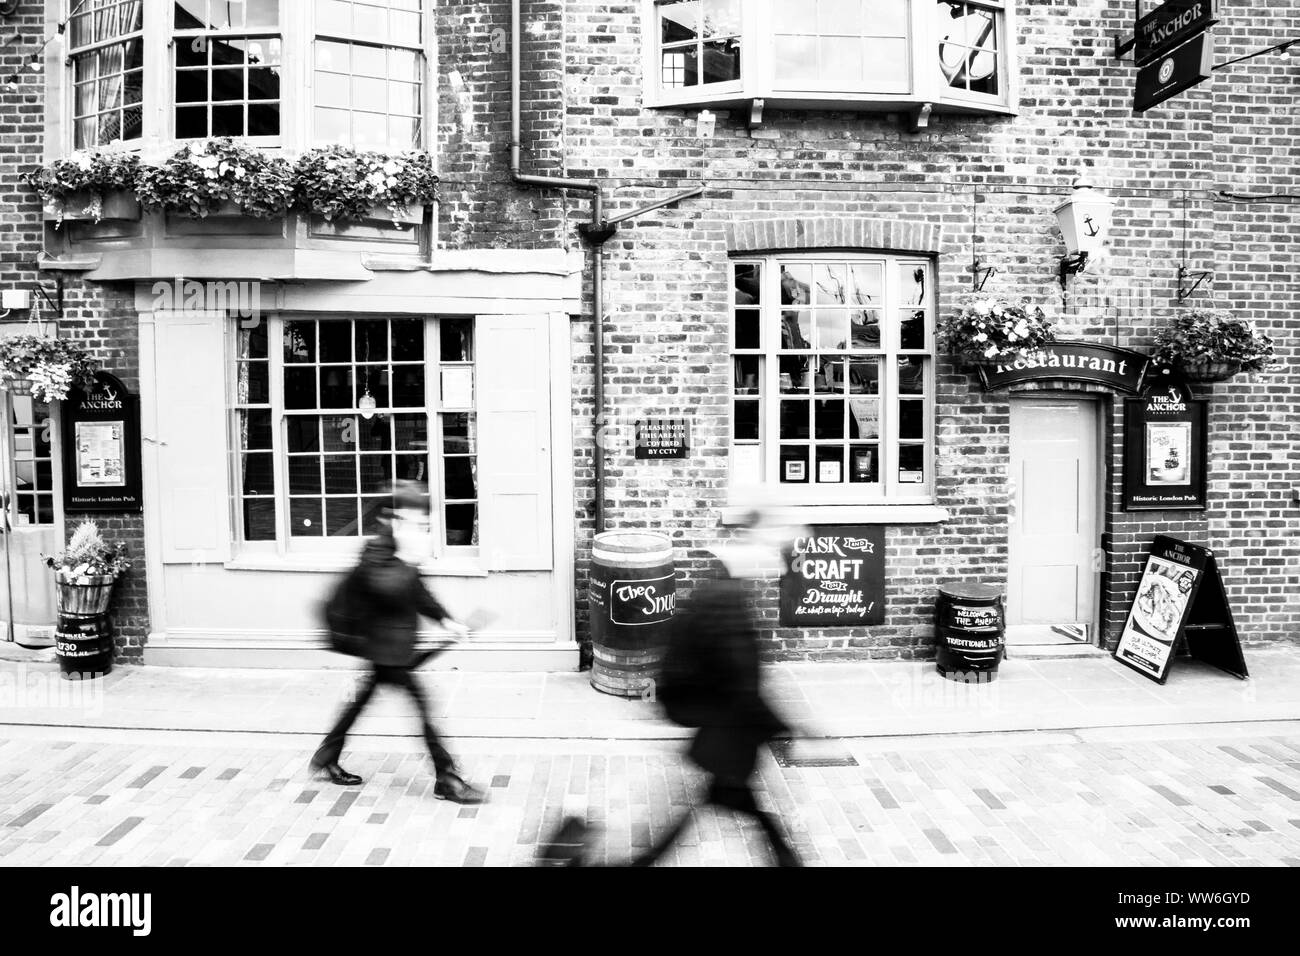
[(227, 210), (84, 596), (116, 204), (1210, 371)]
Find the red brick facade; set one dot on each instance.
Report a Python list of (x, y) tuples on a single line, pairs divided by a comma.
[(964, 186)]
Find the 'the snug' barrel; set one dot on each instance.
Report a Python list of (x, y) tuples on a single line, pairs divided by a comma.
[(631, 595)]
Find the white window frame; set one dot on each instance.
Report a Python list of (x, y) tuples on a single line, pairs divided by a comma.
[(289, 547), (758, 68), (177, 37), (297, 37), (74, 53), (888, 490), (425, 48)]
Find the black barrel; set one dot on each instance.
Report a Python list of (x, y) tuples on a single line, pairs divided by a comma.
[(969, 632), (84, 645), (632, 595)]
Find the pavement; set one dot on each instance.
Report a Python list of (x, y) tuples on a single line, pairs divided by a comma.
[(1079, 762)]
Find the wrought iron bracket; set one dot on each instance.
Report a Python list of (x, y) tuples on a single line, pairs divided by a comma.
[(55, 304), (981, 274), (1184, 275)]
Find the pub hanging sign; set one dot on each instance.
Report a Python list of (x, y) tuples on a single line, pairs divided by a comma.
[(1165, 451), (101, 448)]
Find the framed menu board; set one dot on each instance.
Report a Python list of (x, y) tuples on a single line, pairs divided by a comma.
[(1165, 451), (101, 448)]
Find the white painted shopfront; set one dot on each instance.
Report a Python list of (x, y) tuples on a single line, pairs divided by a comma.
[(266, 444)]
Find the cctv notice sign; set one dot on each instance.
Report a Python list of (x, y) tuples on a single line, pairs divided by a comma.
[(835, 577)]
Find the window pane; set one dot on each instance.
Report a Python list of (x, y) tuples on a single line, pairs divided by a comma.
[(864, 376), (300, 388), (911, 376), (912, 331), (912, 279), (794, 376), (885, 65), (376, 434), (255, 429), (794, 419), (227, 121), (746, 375), (794, 464), (746, 422), (748, 325), (261, 13), (259, 519), (796, 330), (408, 386), (678, 21), (372, 380), (864, 418), (333, 17), (372, 514), (721, 61), (862, 464), (911, 419), (868, 283), (457, 340), (832, 329), (462, 525), (829, 377), (191, 86), (864, 329), (796, 60), (748, 283), (341, 517), (460, 477), (841, 62), (340, 474), (414, 467), (376, 473), (340, 432), (830, 419), (305, 517), (911, 464), (830, 464), (721, 18), (304, 475), (412, 432), (333, 126), (304, 433), (458, 433)]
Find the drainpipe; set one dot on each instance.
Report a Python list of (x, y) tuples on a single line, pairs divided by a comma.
[(596, 232)]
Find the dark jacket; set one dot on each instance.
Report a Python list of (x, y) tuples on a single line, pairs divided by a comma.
[(739, 721), (388, 599)]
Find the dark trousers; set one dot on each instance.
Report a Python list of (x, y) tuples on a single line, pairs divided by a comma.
[(735, 795), (395, 676)]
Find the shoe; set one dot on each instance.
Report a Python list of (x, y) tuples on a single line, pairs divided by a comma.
[(337, 774), (785, 856), (451, 787), (568, 847)]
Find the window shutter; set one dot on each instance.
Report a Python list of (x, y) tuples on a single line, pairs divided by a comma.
[(514, 421), (193, 480)]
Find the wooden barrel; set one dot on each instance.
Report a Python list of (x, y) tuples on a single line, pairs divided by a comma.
[(632, 594), (84, 645), (968, 631), (86, 596)]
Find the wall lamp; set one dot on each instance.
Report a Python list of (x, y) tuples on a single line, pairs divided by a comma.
[(1084, 221)]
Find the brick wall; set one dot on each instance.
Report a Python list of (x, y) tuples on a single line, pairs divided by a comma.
[(667, 276), (99, 316)]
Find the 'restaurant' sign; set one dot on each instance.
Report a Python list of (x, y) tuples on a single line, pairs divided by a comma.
[(1169, 25), (1178, 70), (1119, 369), (1164, 451), (835, 577)]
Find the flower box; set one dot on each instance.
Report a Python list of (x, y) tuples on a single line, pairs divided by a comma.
[(404, 216), (116, 204)]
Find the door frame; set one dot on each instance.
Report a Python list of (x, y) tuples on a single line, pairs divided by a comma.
[(1096, 402), (11, 631)]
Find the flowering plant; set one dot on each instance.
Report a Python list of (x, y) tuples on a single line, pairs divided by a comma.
[(342, 184), (52, 365), (198, 178), (89, 555), (85, 171), (995, 328), (1201, 337)]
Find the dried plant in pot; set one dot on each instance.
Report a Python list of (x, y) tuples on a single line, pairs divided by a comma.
[(1211, 345), (85, 571), (994, 328)]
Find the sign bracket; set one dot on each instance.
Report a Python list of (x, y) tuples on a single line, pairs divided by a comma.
[(1184, 274), (1123, 46)]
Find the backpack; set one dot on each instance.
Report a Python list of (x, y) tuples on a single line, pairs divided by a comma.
[(683, 686), (344, 618)]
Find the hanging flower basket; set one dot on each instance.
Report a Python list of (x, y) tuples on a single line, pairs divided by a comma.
[(84, 596), (44, 366), (1210, 345), (1208, 370), (992, 329)]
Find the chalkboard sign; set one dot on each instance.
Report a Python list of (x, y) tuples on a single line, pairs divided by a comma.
[(835, 576), (1180, 601), (1165, 450), (101, 448), (662, 438)]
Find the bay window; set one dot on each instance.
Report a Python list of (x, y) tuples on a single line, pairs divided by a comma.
[(833, 378), (289, 74), (106, 57), (856, 53), (328, 412)]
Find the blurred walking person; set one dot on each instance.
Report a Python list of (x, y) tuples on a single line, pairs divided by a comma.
[(711, 680), (375, 613)]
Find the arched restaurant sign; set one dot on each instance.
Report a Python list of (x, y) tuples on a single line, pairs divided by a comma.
[(1119, 369)]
